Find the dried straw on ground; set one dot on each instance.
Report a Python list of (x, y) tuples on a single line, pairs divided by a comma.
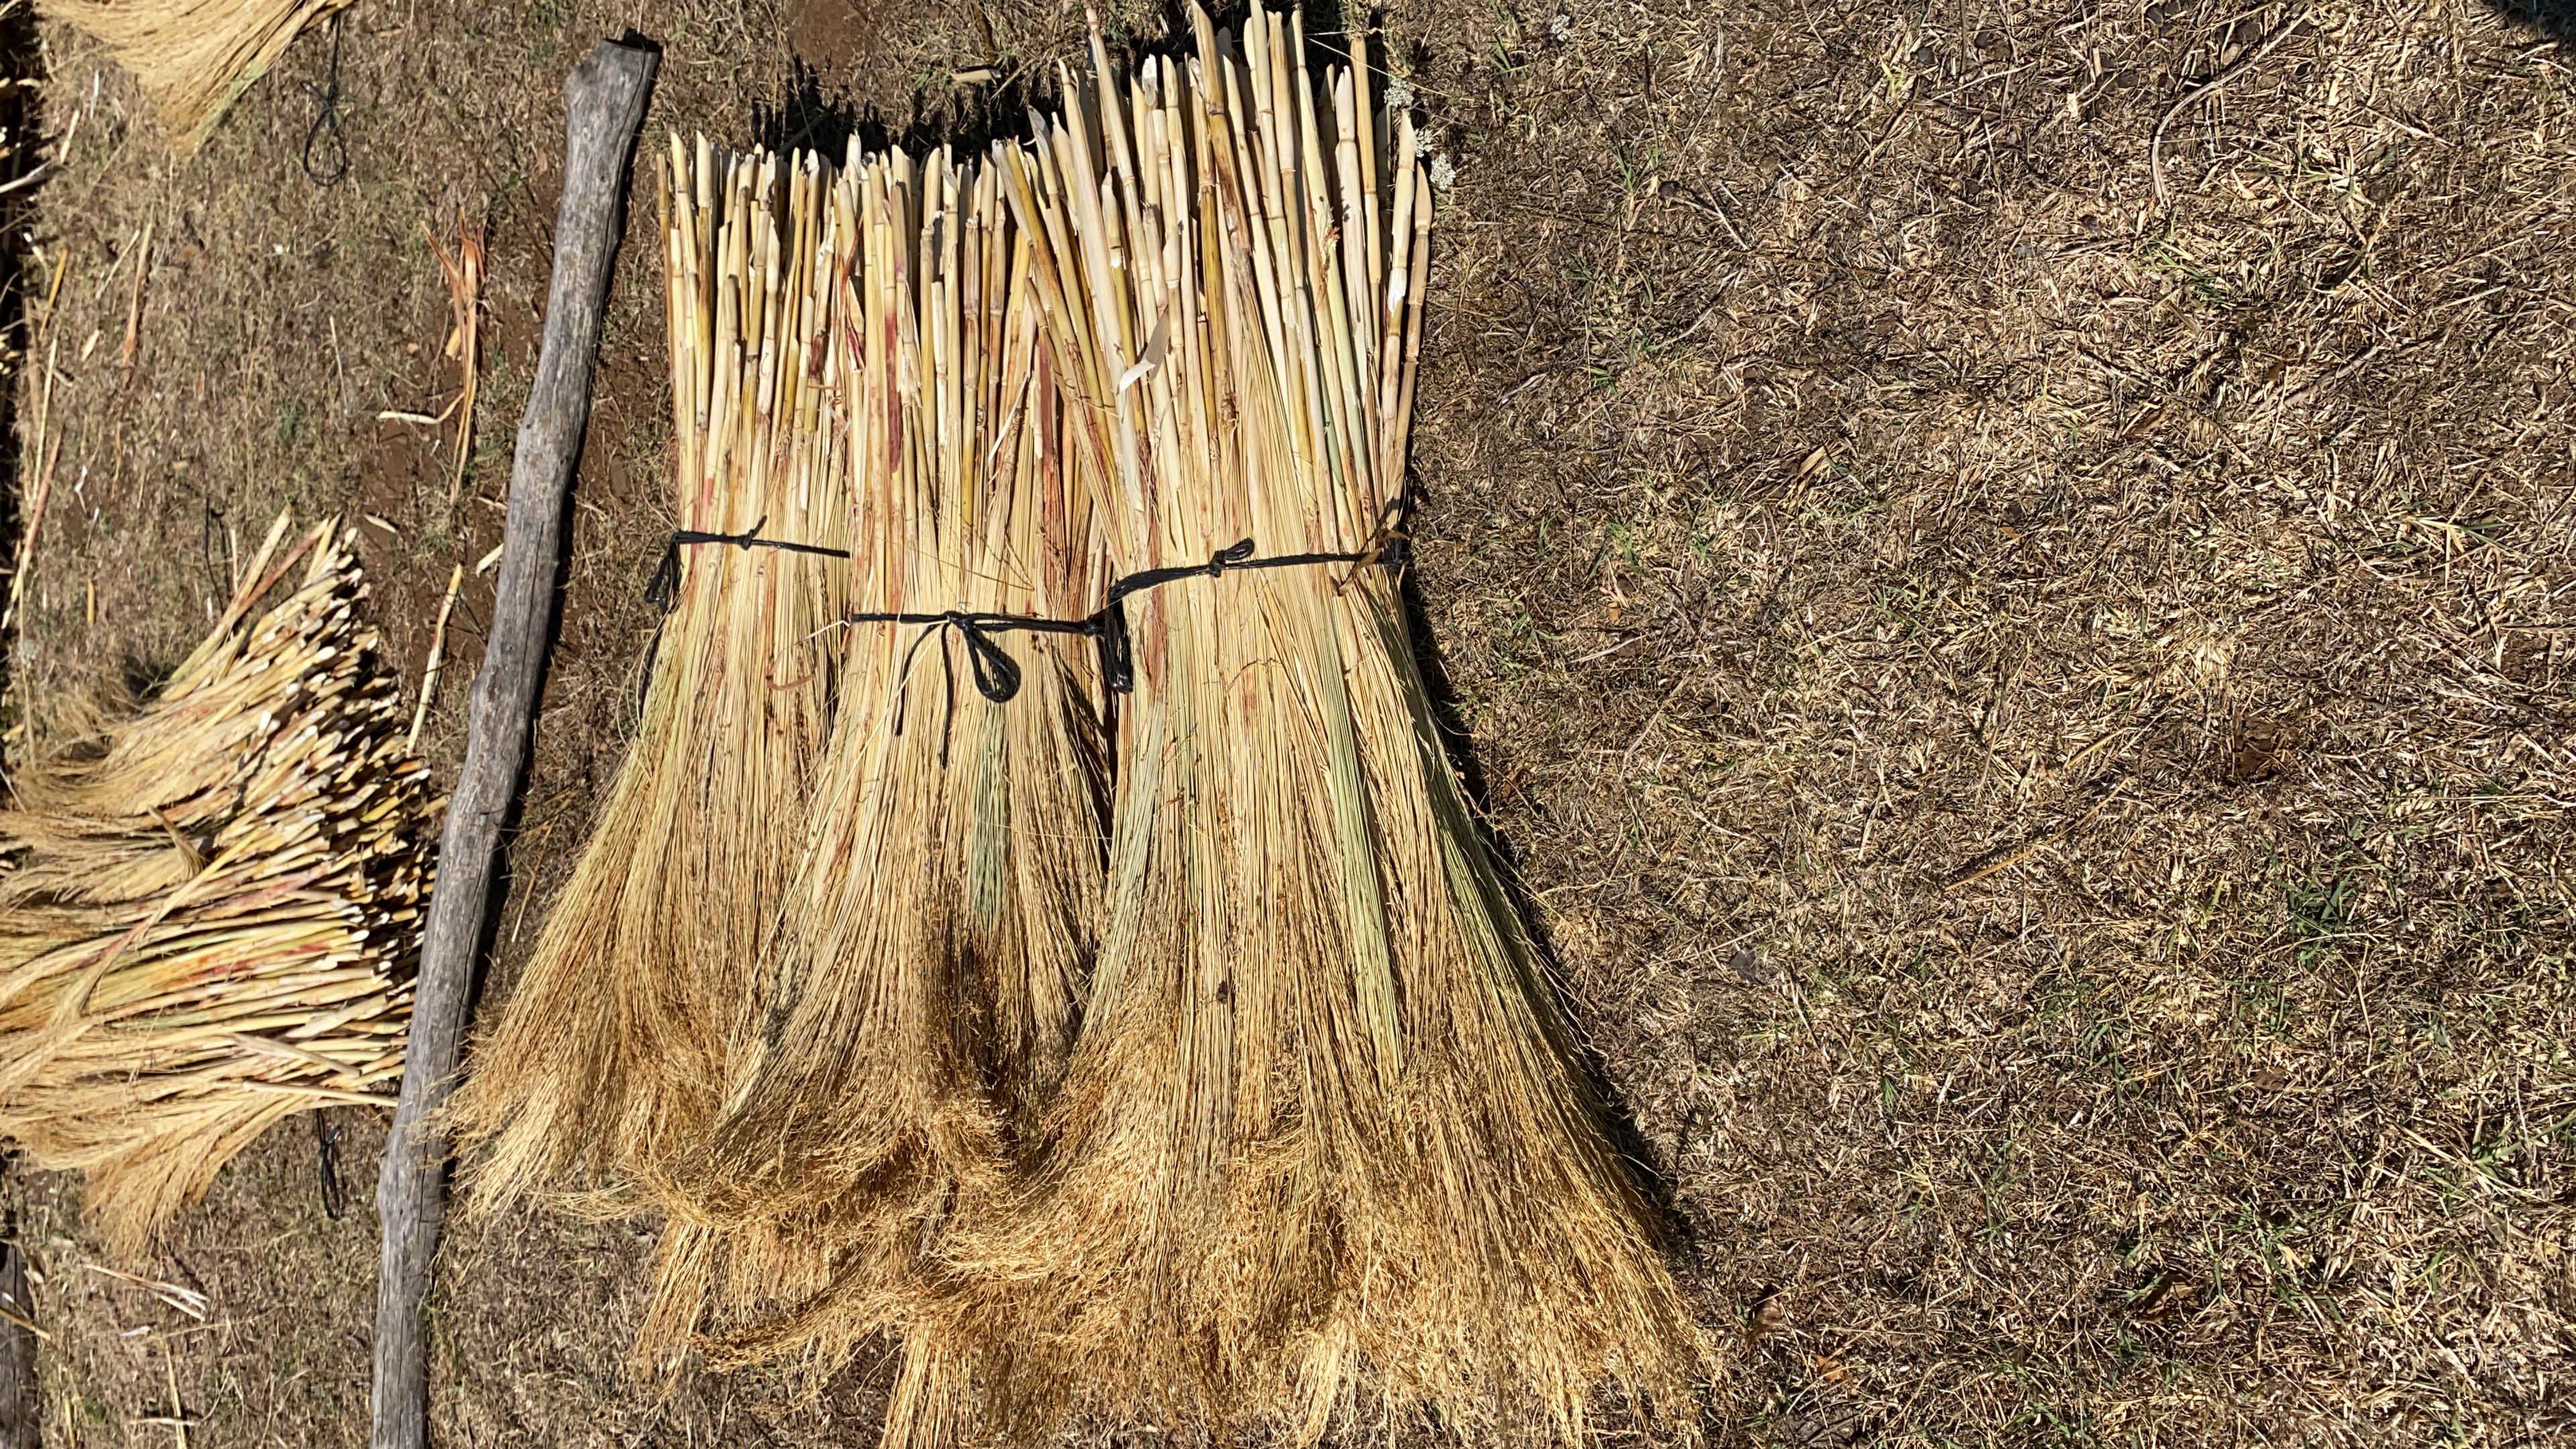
[(1324, 1150), (194, 58), (610, 1055), (920, 999), (208, 909)]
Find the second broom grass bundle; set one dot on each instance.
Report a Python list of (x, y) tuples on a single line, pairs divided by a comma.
[(920, 997)]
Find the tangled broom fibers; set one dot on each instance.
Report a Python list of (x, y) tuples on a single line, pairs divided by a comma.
[(194, 58), (1324, 1147), (610, 1056), (208, 911), (920, 998)]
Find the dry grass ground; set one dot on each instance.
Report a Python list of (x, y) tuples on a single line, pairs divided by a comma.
[(2034, 714)]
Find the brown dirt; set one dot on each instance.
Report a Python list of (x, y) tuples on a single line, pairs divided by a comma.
[(2035, 721), (832, 38)]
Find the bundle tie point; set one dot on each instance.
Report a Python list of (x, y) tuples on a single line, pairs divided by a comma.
[(1239, 551), (997, 675), (1109, 626), (664, 589)]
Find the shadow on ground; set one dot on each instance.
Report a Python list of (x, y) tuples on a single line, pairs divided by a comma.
[(2555, 19)]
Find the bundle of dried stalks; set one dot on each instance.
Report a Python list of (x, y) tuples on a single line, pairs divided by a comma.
[(1324, 1146), (919, 1001), (610, 1055), (208, 908), (193, 57)]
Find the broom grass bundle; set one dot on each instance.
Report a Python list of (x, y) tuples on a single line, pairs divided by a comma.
[(920, 998), (1315, 1141), (194, 58), (610, 1057), (208, 908), (1324, 1147)]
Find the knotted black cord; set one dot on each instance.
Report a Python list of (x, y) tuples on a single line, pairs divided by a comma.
[(997, 674), (1109, 626), (328, 120), (664, 589), (326, 1166)]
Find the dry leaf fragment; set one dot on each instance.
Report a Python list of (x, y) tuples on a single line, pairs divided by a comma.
[(1770, 1312)]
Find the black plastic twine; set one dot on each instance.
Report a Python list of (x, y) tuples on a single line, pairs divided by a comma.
[(997, 674), (326, 1166), (325, 135), (1109, 626), (664, 590)]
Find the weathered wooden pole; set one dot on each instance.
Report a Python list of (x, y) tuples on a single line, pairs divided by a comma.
[(604, 105)]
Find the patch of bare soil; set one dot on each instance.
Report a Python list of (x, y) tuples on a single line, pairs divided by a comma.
[(832, 38), (2002, 570)]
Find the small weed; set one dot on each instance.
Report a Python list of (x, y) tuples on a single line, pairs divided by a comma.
[(2319, 909)]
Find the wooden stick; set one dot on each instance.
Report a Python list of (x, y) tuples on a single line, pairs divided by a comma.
[(604, 105), (21, 1425)]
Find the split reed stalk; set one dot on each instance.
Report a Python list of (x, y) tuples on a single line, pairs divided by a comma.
[(1324, 1149), (609, 1058), (209, 907)]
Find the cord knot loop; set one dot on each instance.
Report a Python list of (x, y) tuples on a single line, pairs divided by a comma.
[(1227, 557), (664, 589)]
